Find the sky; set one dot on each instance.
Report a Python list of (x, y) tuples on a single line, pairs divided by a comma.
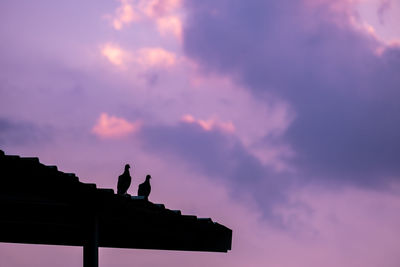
[(278, 119)]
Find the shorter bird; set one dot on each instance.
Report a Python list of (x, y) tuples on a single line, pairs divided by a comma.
[(124, 181), (145, 188)]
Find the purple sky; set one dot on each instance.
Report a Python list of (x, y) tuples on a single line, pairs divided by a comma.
[(279, 119)]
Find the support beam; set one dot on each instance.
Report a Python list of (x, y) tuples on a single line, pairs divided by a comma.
[(91, 245)]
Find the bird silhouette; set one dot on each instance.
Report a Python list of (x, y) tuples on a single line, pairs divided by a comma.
[(124, 181), (145, 188)]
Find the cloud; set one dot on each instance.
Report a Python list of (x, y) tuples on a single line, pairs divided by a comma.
[(170, 25), (159, 8), (349, 227), (22, 133), (344, 95), (155, 56), (109, 127), (124, 15), (145, 57), (114, 54), (219, 155), (384, 6), (165, 13), (210, 124)]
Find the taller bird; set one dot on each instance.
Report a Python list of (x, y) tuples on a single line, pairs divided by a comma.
[(124, 181), (145, 188)]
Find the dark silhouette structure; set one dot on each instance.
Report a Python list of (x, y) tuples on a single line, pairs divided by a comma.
[(145, 188), (124, 181), (41, 205)]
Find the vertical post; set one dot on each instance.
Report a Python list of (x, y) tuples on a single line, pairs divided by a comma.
[(91, 244)]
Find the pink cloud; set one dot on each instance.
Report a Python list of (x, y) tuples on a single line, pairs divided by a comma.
[(114, 127), (132, 11), (372, 17), (124, 15), (146, 57), (166, 14), (170, 25), (255, 121), (155, 57), (210, 124), (160, 8), (114, 54)]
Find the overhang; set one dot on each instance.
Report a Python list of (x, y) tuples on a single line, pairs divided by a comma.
[(41, 205)]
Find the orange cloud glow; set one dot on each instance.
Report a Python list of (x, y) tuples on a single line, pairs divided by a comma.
[(114, 127)]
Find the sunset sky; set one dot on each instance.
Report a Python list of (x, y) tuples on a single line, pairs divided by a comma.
[(279, 119)]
